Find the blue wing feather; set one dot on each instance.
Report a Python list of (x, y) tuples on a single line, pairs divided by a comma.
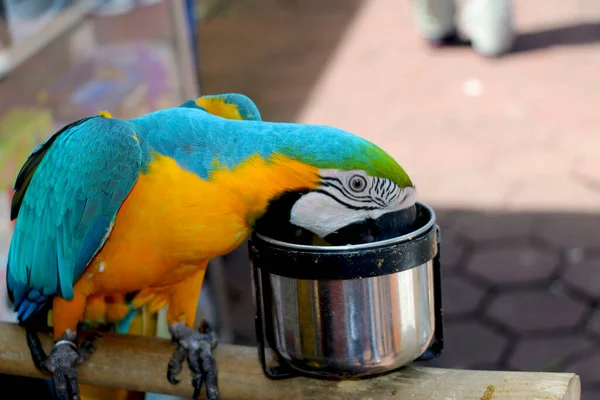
[(30, 165), (67, 195)]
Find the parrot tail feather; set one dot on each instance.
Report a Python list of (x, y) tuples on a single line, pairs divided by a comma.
[(124, 324), (27, 302)]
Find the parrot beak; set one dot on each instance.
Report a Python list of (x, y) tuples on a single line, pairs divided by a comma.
[(387, 226)]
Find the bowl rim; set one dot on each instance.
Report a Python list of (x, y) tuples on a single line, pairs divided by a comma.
[(351, 247)]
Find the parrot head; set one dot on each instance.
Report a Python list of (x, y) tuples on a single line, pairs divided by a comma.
[(362, 194)]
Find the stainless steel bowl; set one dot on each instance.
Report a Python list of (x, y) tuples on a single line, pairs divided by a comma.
[(334, 311)]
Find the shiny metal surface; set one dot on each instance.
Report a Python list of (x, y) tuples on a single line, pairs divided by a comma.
[(351, 327)]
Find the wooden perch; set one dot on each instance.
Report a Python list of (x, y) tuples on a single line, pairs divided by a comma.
[(139, 363)]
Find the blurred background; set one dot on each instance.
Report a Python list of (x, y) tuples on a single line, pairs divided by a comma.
[(505, 148)]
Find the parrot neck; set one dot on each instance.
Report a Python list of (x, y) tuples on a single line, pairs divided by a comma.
[(256, 182)]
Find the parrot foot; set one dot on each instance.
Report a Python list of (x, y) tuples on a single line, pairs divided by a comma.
[(198, 346), (62, 361)]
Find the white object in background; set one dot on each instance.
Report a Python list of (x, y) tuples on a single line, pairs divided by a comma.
[(111, 8), (5, 62), (6, 312), (434, 19), (489, 26), (29, 37), (473, 88), (24, 22), (26, 10), (82, 43), (148, 2)]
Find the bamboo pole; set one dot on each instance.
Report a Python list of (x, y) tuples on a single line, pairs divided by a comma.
[(139, 363)]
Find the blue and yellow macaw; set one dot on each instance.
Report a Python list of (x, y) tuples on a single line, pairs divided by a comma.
[(118, 214)]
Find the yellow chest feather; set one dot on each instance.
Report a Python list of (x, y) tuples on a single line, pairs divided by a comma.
[(173, 220)]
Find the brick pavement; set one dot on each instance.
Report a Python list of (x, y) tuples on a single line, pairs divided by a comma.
[(512, 168)]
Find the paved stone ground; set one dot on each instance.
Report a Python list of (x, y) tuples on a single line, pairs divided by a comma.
[(507, 151)]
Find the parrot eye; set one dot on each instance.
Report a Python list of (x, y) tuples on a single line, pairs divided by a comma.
[(358, 183)]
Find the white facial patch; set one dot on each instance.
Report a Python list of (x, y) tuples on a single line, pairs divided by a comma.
[(322, 215), (346, 197)]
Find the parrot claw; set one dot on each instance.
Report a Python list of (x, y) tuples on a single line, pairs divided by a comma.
[(198, 346), (63, 361)]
